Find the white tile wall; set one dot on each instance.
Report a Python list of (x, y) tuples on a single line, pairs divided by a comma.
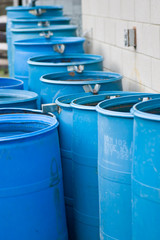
[(156, 74), (110, 31), (108, 19), (114, 7), (129, 64), (142, 10), (127, 9), (155, 10), (99, 29)]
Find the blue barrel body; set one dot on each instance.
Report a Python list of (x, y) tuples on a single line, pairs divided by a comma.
[(39, 66), (18, 99), (36, 22), (115, 153), (29, 33), (31, 189), (59, 84), (10, 83), (146, 168), (85, 158), (25, 49), (64, 117)]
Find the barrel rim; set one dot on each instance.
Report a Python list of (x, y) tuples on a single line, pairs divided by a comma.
[(23, 118), (59, 100), (18, 81), (125, 99), (82, 100), (16, 92), (95, 59), (52, 41), (54, 19), (44, 29), (91, 74), (147, 106), (24, 8), (23, 110)]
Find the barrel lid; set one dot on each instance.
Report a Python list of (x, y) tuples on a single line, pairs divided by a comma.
[(34, 124), (65, 60), (10, 82), (90, 102), (121, 107), (149, 110), (54, 19), (50, 28), (8, 96), (83, 78), (49, 41), (26, 8)]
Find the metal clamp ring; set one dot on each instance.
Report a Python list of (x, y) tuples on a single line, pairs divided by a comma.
[(43, 24), (37, 12), (59, 48), (46, 34), (79, 68), (95, 90)]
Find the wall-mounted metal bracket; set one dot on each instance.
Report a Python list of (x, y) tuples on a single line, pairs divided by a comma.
[(130, 37)]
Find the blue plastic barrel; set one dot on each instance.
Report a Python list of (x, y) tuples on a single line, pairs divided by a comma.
[(34, 12), (72, 63), (85, 158), (59, 84), (146, 169), (25, 49), (63, 112), (36, 22), (31, 189), (29, 33), (18, 99), (37, 12), (10, 83), (115, 153)]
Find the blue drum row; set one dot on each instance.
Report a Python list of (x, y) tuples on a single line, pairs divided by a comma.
[(79, 156)]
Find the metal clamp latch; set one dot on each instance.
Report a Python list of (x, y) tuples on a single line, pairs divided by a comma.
[(112, 97), (59, 48), (37, 12), (50, 108), (78, 69), (43, 24), (88, 88), (143, 99), (46, 34)]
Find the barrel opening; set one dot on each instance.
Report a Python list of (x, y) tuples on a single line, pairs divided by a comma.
[(20, 112), (5, 82), (153, 111), (100, 99), (91, 104), (64, 60), (12, 98), (121, 108), (16, 128), (80, 78), (67, 100)]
